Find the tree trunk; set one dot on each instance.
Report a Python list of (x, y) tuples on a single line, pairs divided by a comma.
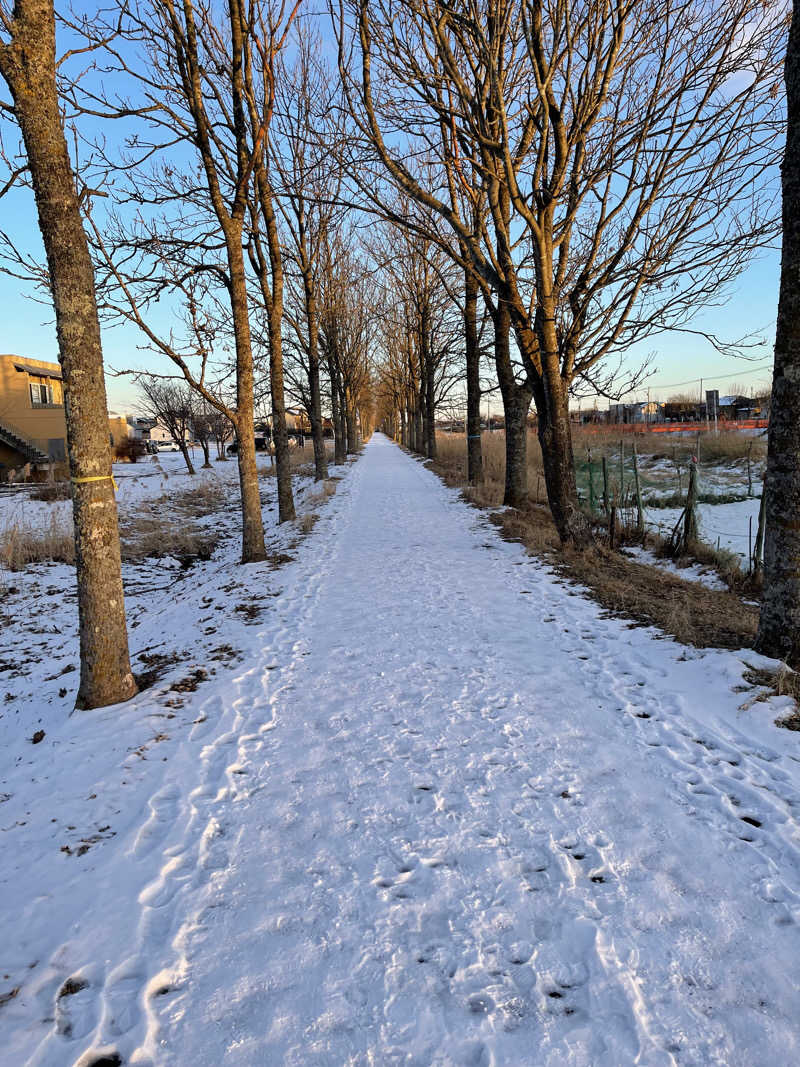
[(187, 459), (429, 386), (423, 413), (315, 405), (253, 547), (516, 404), (779, 625), (474, 452), (28, 65), (337, 418), (205, 444), (555, 439), (352, 430), (280, 436)]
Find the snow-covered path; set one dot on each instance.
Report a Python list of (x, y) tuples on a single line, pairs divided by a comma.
[(448, 813)]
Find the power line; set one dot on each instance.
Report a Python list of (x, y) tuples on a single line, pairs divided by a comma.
[(706, 378)]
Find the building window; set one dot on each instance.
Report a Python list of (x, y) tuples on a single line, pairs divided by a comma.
[(41, 394)]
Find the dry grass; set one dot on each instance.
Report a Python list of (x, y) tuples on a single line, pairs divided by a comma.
[(685, 610), (781, 681), (325, 492), (51, 491), (725, 446), (301, 460), (21, 545), (321, 496), (308, 521), (715, 449), (155, 537), (727, 565), (162, 527), (202, 500), (451, 464)]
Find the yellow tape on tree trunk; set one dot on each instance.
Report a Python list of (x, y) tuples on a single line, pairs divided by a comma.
[(96, 478)]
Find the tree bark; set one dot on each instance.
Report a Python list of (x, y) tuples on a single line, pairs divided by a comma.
[(555, 439), (429, 386), (28, 65), (516, 404), (187, 459), (551, 396), (351, 428), (315, 405), (474, 451), (253, 547), (779, 625), (280, 436), (339, 440)]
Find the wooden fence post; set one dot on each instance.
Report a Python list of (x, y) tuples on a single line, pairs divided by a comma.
[(758, 551), (637, 485), (690, 519)]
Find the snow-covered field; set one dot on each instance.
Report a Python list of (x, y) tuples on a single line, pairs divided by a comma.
[(409, 799), (733, 525)]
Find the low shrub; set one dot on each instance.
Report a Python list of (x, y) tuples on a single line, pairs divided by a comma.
[(130, 450), (21, 545)]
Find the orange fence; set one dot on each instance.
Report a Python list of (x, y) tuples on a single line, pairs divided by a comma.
[(672, 427)]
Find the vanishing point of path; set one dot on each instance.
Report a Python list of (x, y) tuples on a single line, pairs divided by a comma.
[(450, 813)]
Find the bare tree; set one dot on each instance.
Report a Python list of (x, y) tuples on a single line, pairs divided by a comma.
[(622, 149), (306, 125), (779, 624), (345, 334), (221, 431), (420, 296), (207, 83), (202, 427), (173, 405), (28, 65)]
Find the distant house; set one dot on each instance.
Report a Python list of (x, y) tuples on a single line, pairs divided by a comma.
[(141, 427), (32, 426), (739, 407), (297, 421), (119, 428), (652, 411), (158, 432), (33, 429)]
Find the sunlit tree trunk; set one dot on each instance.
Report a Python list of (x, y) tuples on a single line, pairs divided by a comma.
[(27, 63), (473, 357)]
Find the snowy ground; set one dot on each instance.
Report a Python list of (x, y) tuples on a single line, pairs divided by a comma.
[(694, 572), (730, 524), (431, 806)]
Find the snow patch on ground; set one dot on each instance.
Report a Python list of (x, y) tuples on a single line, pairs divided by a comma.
[(728, 523), (694, 572)]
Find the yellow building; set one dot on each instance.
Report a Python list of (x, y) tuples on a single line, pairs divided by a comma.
[(32, 425), (119, 429)]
